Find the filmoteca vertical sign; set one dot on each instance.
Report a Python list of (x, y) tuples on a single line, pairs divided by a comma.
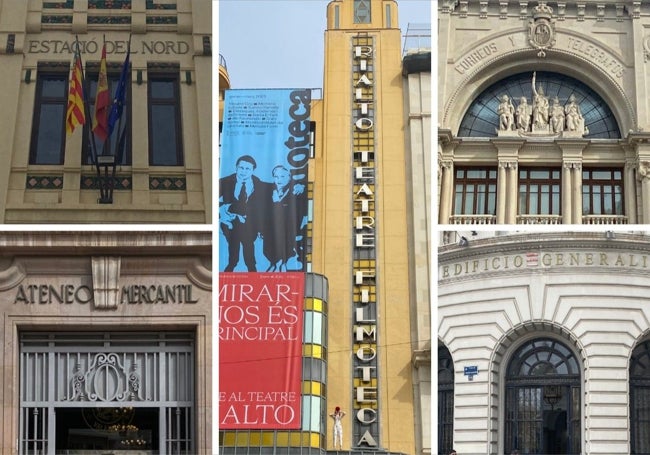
[(260, 350), (364, 375)]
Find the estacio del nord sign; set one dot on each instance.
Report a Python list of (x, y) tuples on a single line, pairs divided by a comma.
[(94, 46)]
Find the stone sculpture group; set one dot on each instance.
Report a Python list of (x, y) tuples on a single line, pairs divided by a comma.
[(540, 117)]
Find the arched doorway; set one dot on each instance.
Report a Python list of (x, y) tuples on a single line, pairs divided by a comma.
[(542, 409), (640, 399), (445, 400)]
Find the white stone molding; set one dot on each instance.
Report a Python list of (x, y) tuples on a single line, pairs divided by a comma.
[(200, 274), (106, 277), (561, 61), (12, 276)]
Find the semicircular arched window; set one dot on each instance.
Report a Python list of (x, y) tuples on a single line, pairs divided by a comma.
[(482, 120), (543, 399), (640, 398), (445, 400)]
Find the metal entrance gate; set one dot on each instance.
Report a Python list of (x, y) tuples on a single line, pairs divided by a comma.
[(127, 390)]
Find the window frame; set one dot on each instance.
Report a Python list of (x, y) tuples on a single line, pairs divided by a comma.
[(590, 182), (527, 181), (488, 180), (113, 76), (49, 73), (169, 75)]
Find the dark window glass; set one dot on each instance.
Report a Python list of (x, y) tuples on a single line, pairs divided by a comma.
[(475, 191), (543, 399), (445, 400), (640, 399), (602, 192), (48, 124), (482, 120), (361, 11), (123, 125), (165, 145), (539, 191)]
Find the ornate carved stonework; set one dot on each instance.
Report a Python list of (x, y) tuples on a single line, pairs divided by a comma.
[(541, 28), (542, 117)]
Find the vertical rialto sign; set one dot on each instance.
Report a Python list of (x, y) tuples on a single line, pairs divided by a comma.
[(364, 303), (260, 350)]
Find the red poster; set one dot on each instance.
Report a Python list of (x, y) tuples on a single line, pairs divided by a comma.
[(260, 350)]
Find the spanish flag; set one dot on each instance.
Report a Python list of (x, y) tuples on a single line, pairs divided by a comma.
[(102, 101), (75, 114)]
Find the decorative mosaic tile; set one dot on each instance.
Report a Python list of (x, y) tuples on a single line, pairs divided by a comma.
[(91, 182), (168, 183), (109, 19), (162, 20), (157, 4), (51, 19), (44, 182), (109, 4), (61, 4)]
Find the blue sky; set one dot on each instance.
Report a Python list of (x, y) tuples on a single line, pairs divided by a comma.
[(261, 39)]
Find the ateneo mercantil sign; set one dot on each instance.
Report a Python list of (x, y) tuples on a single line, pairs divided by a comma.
[(545, 260), (67, 294)]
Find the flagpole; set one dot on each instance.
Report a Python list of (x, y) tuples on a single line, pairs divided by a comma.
[(91, 141), (119, 152)]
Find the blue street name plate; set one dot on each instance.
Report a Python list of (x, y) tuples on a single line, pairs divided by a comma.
[(471, 371)]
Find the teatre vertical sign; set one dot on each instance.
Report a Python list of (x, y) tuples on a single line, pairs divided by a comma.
[(260, 350)]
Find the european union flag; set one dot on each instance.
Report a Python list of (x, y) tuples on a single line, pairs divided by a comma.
[(120, 94)]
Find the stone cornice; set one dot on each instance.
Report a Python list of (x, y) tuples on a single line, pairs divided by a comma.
[(531, 241), (106, 242)]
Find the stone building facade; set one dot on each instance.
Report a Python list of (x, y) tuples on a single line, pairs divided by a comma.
[(543, 342), (107, 342), (586, 159), (164, 174)]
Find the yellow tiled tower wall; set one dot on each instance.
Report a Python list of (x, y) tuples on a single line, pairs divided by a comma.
[(333, 240)]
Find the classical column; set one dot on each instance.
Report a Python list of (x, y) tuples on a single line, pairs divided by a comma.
[(501, 192), (512, 190), (629, 188), (576, 190), (447, 193), (644, 176), (566, 193)]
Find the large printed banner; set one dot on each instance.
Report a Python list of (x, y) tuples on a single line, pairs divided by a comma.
[(265, 146), (260, 350)]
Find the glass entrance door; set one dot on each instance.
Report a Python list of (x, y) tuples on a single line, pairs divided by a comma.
[(106, 430), (543, 400), (113, 392)]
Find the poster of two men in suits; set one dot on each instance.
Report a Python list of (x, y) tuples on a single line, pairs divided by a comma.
[(263, 209)]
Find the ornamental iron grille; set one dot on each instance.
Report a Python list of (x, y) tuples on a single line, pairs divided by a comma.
[(640, 399), (123, 391), (445, 400), (542, 409)]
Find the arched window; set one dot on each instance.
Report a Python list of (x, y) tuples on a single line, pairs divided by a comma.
[(542, 409), (445, 400), (482, 120), (640, 399)]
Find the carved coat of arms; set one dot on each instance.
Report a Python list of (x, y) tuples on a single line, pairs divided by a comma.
[(541, 28)]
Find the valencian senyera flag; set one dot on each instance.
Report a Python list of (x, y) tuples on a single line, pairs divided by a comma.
[(120, 94), (102, 101), (75, 114)]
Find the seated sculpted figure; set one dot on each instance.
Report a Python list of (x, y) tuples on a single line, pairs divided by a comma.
[(574, 119), (524, 110), (557, 116), (506, 113)]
